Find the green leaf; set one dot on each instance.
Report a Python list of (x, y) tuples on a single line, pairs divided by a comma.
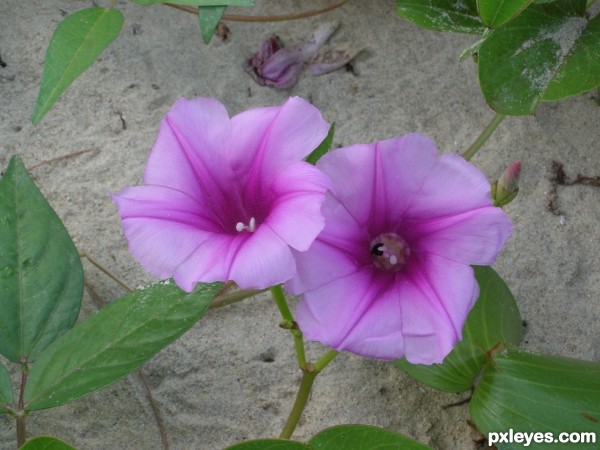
[(494, 319), (113, 342), (76, 43), (270, 444), (199, 2), (41, 278), (323, 147), (346, 437), (362, 437), (495, 13), (459, 16), (547, 53), (46, 443), (209, 17), (6, 393), (530, 392)]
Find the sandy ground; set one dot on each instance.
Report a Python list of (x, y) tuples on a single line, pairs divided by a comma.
[(233, 376)]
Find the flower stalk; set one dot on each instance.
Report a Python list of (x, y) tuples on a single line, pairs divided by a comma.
[(290, 324), (308, 378), (309, 373), (309, 370), (483, 137)]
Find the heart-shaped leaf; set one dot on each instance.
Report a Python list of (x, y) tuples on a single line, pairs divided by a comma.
[(113, 342), (495, 13), (549, 52), (494, 319), (527, 392), (459, 16), (76, 43), (41, 278)]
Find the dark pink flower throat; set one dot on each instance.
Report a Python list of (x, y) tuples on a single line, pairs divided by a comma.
[(389, 252)]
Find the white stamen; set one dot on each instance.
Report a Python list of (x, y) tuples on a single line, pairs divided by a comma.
[(393, 260), (251, 227)]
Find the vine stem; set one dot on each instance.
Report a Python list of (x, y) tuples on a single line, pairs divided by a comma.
[(21, 434), (483, 137), (280, 18), (290, 324), (309, 373)]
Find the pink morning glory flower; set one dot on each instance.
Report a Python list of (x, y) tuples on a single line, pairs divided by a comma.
[(389, 276), (227, 198)]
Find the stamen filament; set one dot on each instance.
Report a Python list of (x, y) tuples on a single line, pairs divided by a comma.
[(251, 227)]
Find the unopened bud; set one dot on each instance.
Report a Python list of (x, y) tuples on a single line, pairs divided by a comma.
[(506, 188)]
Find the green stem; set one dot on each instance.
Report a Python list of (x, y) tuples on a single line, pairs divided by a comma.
[(228, 299), (281, 303), (483, 137), (290, 324), (325, 359), (308, 378)]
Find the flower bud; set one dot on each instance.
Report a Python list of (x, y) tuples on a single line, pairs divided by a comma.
[(506, 188)]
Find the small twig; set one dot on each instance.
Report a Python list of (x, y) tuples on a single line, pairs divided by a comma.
[(159, 422), (558, 177), (21, 433), (59, 158), (105, 271), (279, 18), (458, 403)]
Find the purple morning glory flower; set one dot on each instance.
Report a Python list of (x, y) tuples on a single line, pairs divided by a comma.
[(227, 199), (389, 276)]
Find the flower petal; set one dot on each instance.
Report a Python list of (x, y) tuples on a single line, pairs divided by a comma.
[(268, 140), (473, 237), (463, 185), (296, 211), (263, 260), (163, 226), (328, 313), (210, 261), (320, 265), (437, 296), (378, 332), (190, 153)]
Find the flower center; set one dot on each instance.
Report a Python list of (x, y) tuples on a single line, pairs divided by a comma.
[(251, 227), (389, 252)]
